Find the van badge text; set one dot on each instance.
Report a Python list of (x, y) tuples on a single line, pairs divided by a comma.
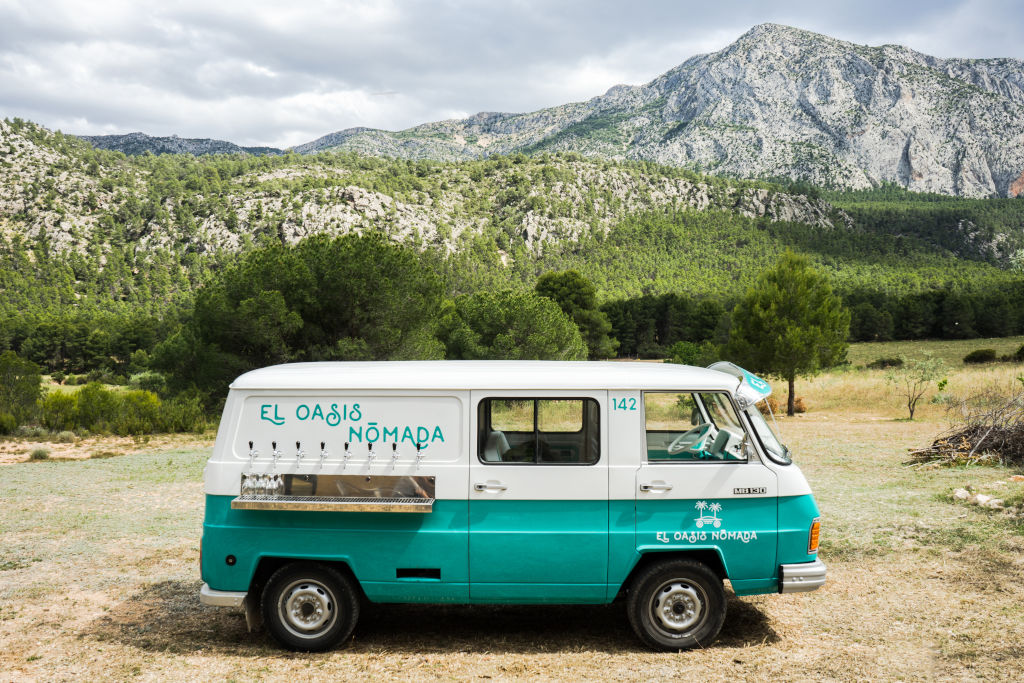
[(752, 491)]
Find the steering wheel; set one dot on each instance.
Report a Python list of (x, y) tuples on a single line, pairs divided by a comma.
[(689, 439)]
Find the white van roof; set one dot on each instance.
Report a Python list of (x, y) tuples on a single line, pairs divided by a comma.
[(485, 374)]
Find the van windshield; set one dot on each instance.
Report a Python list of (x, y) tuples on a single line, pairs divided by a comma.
[(770, 441)]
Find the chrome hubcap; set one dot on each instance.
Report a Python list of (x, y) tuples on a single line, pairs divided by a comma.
[(678, 605), (307, 608)]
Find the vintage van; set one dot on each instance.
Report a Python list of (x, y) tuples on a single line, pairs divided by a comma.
[(335, 485)]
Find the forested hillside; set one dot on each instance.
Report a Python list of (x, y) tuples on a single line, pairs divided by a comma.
[(103, 253)]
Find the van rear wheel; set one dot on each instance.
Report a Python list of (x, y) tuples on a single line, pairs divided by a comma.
[(676, 605), (309, 607)]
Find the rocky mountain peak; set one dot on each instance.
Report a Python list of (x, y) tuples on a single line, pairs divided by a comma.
[(779, 102)]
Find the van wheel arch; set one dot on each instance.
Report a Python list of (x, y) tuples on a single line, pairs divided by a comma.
[(266, 567), (705, 556)]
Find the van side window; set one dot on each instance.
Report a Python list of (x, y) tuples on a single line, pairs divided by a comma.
[(689, 427), (561, 431)]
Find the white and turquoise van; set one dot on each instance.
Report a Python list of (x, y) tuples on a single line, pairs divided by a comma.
[(337, 485)]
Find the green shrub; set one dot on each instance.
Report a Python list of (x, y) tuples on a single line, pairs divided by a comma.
[(883, 363), (981, 356), (96, 408), (184, 413), (57, 411), (149, 381), (58, 376), (7, 423), (65, 437), (39, 454), (136, 412), (689, 353), (20, 386), (1019, 356)]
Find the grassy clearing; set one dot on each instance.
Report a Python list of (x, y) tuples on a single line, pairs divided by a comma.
[(99, 578), (950, 350)]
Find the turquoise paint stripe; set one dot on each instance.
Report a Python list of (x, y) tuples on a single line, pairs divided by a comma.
[(520, 551)]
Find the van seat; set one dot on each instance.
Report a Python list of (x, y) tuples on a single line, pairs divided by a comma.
[(717, 449), (495, 447)]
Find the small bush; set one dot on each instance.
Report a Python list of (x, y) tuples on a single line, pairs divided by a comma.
[(883, 363), (39, 454), (58, 377), (7, 423), (1019, 356), (981, 356), (65, 436), (770, 404), (28, 432)]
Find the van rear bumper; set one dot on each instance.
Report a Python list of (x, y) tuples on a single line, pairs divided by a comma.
[(802, 577), (214, 598)]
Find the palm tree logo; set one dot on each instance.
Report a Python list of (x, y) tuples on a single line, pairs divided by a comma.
[(713, 519)]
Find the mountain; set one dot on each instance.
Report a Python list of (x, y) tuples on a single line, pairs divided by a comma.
[(779, 102), (102, 254), (140, 143)]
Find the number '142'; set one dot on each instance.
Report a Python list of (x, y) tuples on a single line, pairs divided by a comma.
[(623, 404)]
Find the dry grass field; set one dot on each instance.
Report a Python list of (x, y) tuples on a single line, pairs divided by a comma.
[(99, 577)]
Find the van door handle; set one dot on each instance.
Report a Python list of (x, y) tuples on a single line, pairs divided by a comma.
[(658, 486), (490, 486)]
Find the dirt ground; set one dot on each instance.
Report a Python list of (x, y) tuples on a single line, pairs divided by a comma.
[(18, 450), (99, 579)]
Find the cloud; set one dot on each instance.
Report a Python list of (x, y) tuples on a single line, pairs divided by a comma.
[(261, 72)]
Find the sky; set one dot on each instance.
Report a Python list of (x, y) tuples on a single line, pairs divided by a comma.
[(263, 73)]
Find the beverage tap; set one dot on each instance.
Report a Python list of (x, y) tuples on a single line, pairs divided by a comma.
[(323, 453), (419, 454), (394, 454), (275, 485), (252, 456), (345, 456), (371, 455), (299, 454), (248, 477)]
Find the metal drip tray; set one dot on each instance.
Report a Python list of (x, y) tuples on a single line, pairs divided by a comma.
[(345, 493), (325, 504)]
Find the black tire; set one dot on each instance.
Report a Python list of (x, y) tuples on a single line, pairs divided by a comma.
[(310, 607), (690, 599)]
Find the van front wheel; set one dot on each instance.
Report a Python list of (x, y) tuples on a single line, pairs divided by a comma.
[(309, 607), (676, 605)]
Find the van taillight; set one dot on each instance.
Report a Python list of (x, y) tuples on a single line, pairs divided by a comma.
[(812, 541)]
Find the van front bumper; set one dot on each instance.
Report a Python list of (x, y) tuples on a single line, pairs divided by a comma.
[(214, 598), (802, 577)]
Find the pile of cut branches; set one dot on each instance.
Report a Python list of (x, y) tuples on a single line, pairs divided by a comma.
[(986, 427)]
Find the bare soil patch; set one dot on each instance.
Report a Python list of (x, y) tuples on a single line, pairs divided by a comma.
[(13, 450)]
